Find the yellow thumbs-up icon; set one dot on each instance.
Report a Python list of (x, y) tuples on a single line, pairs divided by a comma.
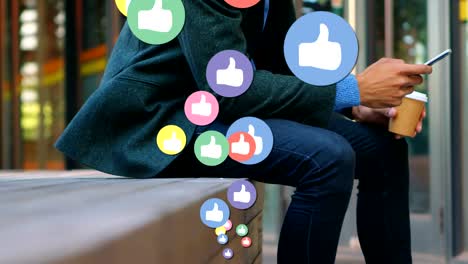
[(171, 139), (122, 5)]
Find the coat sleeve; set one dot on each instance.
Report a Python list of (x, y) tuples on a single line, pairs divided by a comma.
[(212, 26)]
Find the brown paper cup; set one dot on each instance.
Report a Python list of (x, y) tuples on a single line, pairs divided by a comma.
[(408, 114)]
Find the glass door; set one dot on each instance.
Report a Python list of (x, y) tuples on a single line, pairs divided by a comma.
[(431, 154), (402, 29), (459, 227), (464, 90)]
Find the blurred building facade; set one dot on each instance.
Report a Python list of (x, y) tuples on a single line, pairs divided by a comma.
[(53, 54)]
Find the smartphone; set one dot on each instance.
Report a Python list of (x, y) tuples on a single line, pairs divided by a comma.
[(438, 57)]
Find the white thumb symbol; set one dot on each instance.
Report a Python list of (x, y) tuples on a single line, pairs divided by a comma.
[(213, 140), (243, 188), (241, 139), (174, 136), (157, 4), (232, 63), (215, 207), (323, 35), (251, 130), (203, 99)]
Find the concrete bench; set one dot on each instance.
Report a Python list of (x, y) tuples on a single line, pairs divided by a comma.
[(90, 217)]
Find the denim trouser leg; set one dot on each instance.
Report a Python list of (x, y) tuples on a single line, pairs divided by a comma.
[(383, 221)]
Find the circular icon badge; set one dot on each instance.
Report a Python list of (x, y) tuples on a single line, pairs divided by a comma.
[(242, 194), (229, 73), (260, 131), (242, 3), (122, 5), (321, 48), (228, 253), (201, 108), (156, 21), (222, 239), (214, 212), (171, 139), (228, 225), (220, 230), (242, 230), (211, 148), (241, 146), (246, 242)]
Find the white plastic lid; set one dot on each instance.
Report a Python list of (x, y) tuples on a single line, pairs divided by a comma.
[(417, 96)]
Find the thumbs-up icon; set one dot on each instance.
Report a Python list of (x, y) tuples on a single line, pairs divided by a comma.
[(241, 147), (257, 133), (212, 150), (231, 76), (258, 140), (122, 6), (222, 239), (173, 144), (242, 196), (242, 230), (157, 19), (171, 139), (322, 54), (202, 108), (246, 242), (214, 215), (227, 253)]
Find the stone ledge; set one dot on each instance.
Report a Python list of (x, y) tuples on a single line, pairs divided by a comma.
[(91, 217)]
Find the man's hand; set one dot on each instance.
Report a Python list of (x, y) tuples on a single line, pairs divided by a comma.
[(386, 82), (381, 116)]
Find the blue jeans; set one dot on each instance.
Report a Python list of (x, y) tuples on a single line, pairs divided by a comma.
[(322, 164)]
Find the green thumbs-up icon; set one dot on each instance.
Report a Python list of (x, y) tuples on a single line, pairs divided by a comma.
[(242, 230)]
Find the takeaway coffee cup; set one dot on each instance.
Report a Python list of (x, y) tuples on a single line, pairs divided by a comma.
[(408, 114)]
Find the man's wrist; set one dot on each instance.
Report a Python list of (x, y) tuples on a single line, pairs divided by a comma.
[(347, 93)]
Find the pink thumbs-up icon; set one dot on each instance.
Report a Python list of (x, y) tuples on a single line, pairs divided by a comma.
[(201, 108)]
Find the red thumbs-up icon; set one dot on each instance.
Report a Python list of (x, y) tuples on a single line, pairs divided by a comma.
[(241, 146)]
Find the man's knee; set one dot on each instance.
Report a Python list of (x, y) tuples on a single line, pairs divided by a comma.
[(341, 152), (343, 159), (337, 163)]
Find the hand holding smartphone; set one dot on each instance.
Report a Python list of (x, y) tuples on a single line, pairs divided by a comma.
[(410, 112)]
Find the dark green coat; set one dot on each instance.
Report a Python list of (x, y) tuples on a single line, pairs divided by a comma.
[(145, 86)]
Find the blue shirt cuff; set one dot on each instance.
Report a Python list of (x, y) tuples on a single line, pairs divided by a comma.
[(347, 93)]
